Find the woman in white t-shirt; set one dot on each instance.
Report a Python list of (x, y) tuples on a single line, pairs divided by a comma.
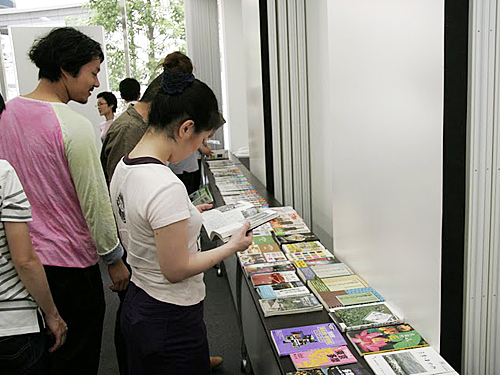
[(162, 316)]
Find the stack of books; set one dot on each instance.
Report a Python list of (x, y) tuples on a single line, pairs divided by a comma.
[(233, 185), (275, 279)]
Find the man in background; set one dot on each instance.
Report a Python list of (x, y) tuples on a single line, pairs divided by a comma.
[(130, 90)]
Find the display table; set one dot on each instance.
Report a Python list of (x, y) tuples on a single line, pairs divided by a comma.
[(257, 344)]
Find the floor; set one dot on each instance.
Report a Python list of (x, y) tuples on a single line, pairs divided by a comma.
[(220, 319)]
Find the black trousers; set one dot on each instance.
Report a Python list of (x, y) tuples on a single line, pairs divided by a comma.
[(191, 180), (79, 297), (24, 354), (121, 349), (163, 338)]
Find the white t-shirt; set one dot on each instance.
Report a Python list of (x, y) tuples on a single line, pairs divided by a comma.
[(104, 127), (147, 195), (17, 307)]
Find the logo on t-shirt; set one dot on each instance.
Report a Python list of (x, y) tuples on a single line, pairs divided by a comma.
[(121, 207)]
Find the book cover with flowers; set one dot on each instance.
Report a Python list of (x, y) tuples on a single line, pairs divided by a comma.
[(385, 339), (322, 358)]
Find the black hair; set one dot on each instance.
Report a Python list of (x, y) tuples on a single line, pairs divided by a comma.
[(196, 101), (130, 89), (110, 98), (63, 48)]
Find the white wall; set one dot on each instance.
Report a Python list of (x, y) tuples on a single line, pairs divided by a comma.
[(320, 119), (253, 75), (234, 85), (386, 65), (27, 72)]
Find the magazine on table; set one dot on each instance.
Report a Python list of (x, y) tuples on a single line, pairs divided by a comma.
[(421, 361), (324, 357), (224, 221), (299, 339), (290, 305)]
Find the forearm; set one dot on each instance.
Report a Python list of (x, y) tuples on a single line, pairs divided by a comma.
[(199, 262), (34, 279)]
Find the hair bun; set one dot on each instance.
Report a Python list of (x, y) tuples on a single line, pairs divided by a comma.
[(175, 82)]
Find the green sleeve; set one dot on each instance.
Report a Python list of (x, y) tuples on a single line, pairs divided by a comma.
[(85, 169)]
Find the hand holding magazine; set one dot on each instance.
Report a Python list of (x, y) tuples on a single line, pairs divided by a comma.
[(224, 221), (201, 196)]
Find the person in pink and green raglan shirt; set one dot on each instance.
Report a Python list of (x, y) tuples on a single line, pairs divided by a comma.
[(53, 149)]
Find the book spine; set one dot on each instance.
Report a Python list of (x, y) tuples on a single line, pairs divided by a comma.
[(391, 350)]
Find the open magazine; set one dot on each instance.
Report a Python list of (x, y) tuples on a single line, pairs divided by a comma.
[(225, 220)]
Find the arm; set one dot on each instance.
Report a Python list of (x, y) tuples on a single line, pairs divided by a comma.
[(88, 178), (31, 272), (205, 149), (119, 141), (178, 264)]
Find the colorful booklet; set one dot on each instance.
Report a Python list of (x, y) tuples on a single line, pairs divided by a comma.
[(340, 355), (314, 371), (316, 262), (282, 290), (413, 361), (290, 305), (299, 339), (270, 252), (384, 339), (274, 278), (294, 238), (300, 247), (250, 259), (352, 369), (365, 316), (347, 297), (288, 222), (323, 271), (344, 282), (257, 269), (309, 255), (263, 240)]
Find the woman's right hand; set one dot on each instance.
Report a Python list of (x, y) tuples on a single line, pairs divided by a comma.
[(242, 238), (58, 328)]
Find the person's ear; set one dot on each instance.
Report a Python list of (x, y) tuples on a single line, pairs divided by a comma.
[(186, 128), (64, 74)]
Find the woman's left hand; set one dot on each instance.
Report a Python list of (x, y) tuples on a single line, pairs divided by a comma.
[(204, 207)]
